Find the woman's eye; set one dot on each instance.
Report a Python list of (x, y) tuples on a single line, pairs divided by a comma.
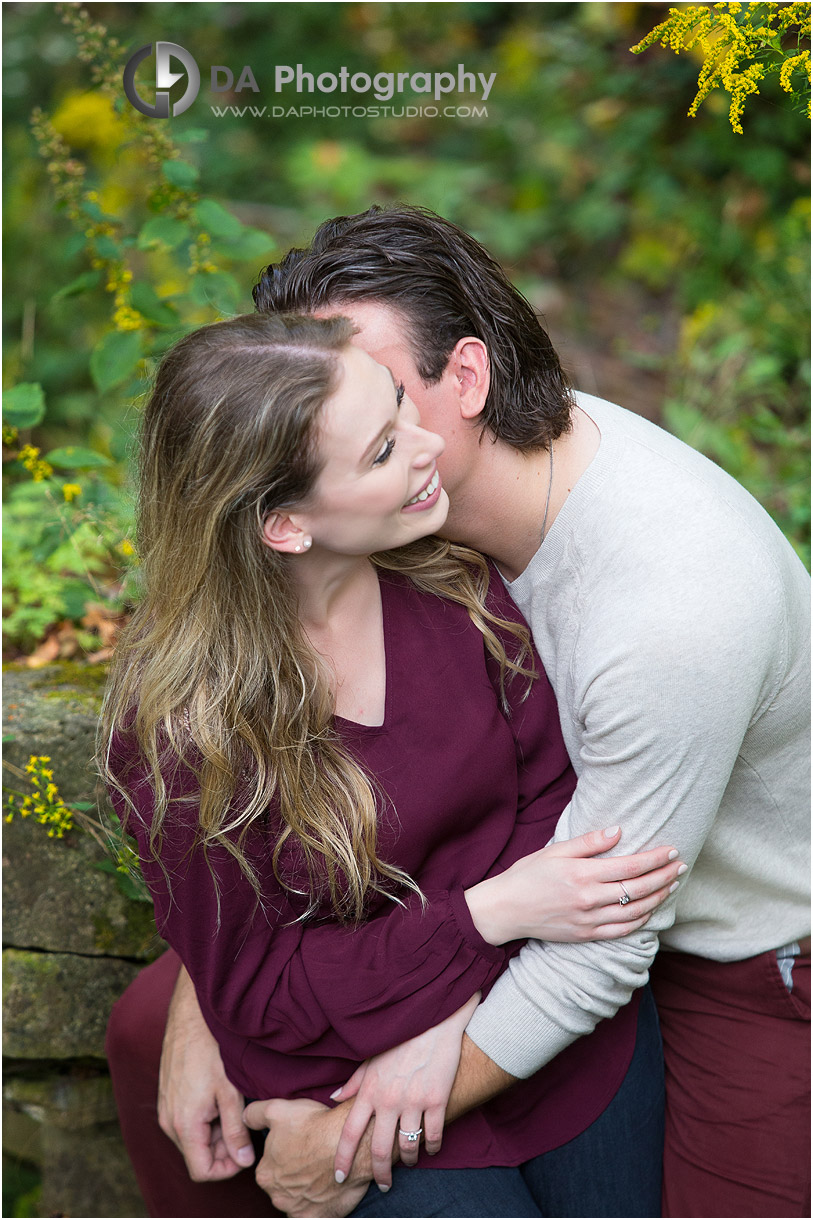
[(399, 394), (389, 445)]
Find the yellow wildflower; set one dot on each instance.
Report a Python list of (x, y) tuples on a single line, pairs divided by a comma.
[(29, 455), (88, 120), (126, 318), (740, 44), (795, 63), (71, 490), (126, 548)]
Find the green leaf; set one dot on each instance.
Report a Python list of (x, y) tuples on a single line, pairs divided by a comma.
[(180, 173), (84, 806), (194, 135), (8, 738), (163, 231), (114, 358), (82, 283), (106, 248), (74, 244), (24, 405), (75, 594), (130, 889), (214, 218), (146, 300), (251, 244), (92, 209), (71, 457), (215, 288)]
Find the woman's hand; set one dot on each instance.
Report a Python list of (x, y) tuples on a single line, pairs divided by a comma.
[(561, 894), (406, 1089)]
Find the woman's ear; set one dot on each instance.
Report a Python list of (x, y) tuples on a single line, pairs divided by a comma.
[(471, 368), (282, 533)]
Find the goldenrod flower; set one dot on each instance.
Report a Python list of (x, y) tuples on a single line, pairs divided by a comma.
[(731, 35)]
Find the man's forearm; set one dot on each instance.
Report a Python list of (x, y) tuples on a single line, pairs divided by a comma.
[(478, 1079)]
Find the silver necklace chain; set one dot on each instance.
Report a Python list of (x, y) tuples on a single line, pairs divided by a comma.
[(547, 501)]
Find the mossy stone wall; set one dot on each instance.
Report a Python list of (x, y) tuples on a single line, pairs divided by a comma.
[(72, 941)]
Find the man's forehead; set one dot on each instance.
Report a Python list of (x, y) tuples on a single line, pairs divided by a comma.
[(379, 327)]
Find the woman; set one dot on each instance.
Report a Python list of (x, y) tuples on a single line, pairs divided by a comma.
[(333, 752)]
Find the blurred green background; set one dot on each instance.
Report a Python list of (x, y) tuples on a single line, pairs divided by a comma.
[(668, 255)]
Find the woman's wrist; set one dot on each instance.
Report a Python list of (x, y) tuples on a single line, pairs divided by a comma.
[(487, 906)]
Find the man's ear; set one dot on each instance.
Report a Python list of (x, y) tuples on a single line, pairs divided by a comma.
[(471, 368), (284, 533)]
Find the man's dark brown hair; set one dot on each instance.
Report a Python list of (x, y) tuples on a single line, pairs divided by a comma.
[(446, 286)]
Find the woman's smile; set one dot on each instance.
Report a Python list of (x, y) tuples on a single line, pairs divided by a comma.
[(427, 497)]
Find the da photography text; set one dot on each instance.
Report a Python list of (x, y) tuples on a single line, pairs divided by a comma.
[(288, 78)]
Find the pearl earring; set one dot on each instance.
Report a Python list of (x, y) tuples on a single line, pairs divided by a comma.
[(306, 542)]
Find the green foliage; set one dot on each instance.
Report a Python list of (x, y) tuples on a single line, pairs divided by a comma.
[(22, 1188), (115, 358), (585, 180), (160, 264), (24, 406), (742, 389), (60, 556)]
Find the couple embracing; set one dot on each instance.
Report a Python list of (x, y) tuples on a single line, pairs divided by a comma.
[(427, 641)]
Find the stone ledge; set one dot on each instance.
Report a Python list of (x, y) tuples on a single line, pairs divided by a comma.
[(56, 1005)]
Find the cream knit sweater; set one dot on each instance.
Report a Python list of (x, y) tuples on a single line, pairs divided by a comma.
[(673, 619)]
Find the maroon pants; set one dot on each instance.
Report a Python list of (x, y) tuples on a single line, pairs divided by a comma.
[(134, 1038), (737, 1052)]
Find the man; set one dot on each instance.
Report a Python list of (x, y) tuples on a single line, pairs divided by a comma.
[(671, 617)]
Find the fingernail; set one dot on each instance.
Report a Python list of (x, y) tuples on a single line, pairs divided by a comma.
[(245, 1155), (673, 855), (673, 886), (683, 869), (611, 832), (336, 1093), (339, 1176), (383, 1189)]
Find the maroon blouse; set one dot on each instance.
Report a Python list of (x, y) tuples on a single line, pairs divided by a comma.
[(296, 1006)]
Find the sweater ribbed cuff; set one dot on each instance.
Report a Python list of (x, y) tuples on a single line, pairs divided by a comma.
[(514, 1032)]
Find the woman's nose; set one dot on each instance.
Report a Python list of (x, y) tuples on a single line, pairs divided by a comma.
[(428, 447)]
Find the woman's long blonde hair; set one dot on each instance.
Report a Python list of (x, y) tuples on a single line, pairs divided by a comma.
[(214, 672)]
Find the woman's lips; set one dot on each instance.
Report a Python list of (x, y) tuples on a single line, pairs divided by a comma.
[(426, 497)]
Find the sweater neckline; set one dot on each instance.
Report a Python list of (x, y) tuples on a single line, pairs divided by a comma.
[(561, 533)]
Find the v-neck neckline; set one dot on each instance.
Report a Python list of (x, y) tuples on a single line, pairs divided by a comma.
[(357, 725)]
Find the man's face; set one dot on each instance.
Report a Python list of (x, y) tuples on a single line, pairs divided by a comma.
[(383, 334)]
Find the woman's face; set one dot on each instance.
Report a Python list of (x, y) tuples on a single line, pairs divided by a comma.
[(379, 486)]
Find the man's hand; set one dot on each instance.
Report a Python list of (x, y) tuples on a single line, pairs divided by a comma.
[(198, 1107), (296, 1168)]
